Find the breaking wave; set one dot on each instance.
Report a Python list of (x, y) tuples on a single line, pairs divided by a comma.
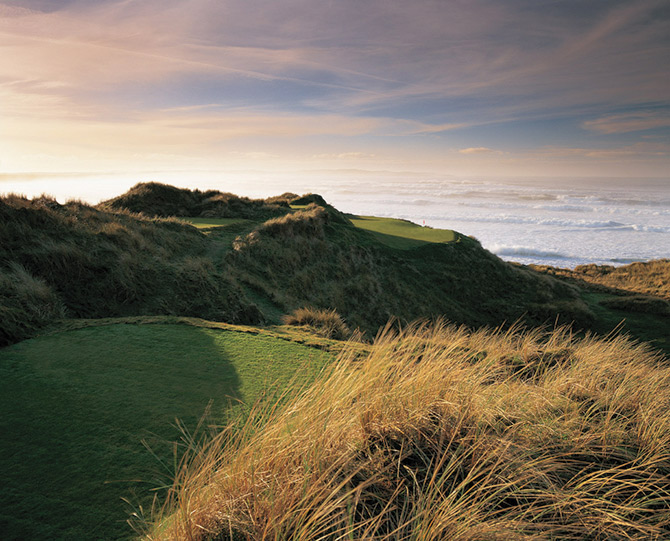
[(527, 251)]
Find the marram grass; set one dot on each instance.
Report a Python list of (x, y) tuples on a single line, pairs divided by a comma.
[(443, 433)]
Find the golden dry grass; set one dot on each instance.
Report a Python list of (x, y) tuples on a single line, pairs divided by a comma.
[(442, 433), (648, 278), (327, 323)]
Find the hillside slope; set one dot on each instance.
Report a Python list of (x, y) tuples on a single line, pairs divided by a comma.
[(315, 256)]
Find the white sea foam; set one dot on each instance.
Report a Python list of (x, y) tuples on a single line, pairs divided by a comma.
[(526, 251)]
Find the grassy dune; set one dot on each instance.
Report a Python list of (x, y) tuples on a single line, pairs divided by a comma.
[(77, 261), (75, 407), (442, 434)]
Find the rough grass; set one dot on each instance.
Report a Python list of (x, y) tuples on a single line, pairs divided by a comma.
[(651, 278), (402, 234), (635, 297), (76, 406), (441, 434), (26, 304), (647, 278)]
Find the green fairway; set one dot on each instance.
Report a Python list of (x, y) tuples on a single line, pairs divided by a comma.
[(402, 234), (75, 407), (205, 223)]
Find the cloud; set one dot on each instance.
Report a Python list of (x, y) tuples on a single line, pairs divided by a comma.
[(198, 74), (479, 150), (638, 151), (344, 155), (629, 122)]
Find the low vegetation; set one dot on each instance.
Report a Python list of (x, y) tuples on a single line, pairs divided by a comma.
[(645, 278), (243, 267), (316, 257), (441, 433), (635, 297)]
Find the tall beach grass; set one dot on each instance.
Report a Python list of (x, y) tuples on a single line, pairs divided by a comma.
[(444, 433)]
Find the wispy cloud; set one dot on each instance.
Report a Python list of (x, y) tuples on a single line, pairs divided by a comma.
[(629, 122), (479, 150)]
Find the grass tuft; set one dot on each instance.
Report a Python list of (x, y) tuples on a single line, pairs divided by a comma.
[(327, 323)]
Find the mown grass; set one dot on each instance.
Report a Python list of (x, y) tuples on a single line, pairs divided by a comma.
[(441, 433), (75, 407), (207, 223), (402, 234)]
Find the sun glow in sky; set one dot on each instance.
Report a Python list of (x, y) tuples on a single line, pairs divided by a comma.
[(481, 88)]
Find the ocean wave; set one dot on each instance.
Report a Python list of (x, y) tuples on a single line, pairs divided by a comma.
[(625, 260), (558, 222), (526, 251), (651, 228)]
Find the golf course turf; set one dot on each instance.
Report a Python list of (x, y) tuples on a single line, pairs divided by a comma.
[(76, 407)]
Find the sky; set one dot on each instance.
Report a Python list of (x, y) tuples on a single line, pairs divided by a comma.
[(478, 88)]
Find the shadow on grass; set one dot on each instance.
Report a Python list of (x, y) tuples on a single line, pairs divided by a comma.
[(75, 409)]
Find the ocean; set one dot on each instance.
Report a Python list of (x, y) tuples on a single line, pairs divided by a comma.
[(550, 221)]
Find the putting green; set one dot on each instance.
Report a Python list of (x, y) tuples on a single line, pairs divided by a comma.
[(402, 234)]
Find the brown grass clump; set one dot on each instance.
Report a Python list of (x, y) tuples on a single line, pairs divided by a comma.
[(326, 323), (441, 433)]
